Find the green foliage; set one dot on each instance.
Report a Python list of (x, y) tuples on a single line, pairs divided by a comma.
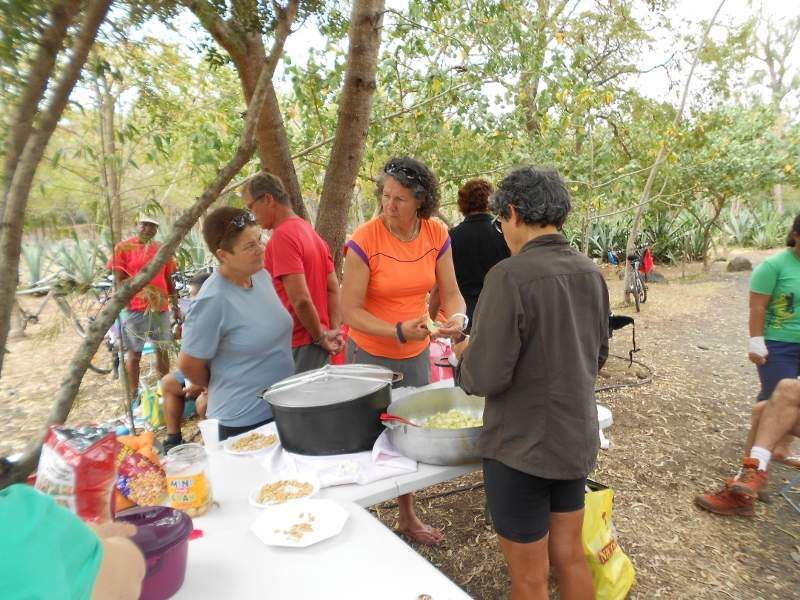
[(193, 253), (83, 260), (35, 256)]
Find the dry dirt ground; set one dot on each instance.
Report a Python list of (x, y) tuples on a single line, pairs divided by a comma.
[(672, 438)]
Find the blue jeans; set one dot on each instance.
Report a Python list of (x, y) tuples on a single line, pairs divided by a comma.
[(783, 362)]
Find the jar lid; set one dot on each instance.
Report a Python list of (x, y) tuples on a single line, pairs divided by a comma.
[(187, 452), (158, 528), (331, 384)]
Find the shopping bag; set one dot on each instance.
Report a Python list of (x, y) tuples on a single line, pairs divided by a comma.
[(152, 406), (612, 571)]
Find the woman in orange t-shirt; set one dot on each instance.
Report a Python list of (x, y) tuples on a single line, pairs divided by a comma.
[(391, 264)]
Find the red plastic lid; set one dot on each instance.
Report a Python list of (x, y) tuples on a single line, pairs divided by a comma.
[(159, 528)]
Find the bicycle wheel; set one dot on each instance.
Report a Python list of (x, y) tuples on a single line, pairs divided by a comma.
[(103, 360), (637, 286), (643, 293), (66, 309)]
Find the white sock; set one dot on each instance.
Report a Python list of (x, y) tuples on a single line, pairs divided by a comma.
[(763, 455)]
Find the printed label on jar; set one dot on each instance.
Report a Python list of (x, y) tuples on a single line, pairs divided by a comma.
[(188, 491)]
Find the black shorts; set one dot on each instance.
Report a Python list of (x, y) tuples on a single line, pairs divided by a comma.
[(520, 504)]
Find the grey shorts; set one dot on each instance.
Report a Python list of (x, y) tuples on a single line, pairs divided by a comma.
[(416, 370), (141, 327), (309, 357)]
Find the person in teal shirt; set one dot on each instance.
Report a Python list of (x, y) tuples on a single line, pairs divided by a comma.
[(774, 345), (47, 552)]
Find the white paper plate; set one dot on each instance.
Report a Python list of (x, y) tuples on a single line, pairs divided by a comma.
[(325, 517), (253, 496), (267, 429)]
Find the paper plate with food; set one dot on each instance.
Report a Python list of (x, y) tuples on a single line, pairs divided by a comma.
[(252, 442), (283, 488), (301, 523)]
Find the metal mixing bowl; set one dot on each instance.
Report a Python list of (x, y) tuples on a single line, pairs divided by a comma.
[(435, 446)]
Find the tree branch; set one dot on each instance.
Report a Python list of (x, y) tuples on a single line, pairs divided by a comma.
[(393, 115), (662, 153), (220, 30), (22, 180), (18, 471), (41, 70)]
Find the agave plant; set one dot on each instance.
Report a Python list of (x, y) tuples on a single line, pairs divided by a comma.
[(81, 260), (193, 253), (739, 227), (36, 261)]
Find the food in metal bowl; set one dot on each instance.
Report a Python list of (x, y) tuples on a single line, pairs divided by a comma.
[(453, 419)]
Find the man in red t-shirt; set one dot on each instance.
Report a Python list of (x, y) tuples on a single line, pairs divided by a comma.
[(302, 271), (146, 317)]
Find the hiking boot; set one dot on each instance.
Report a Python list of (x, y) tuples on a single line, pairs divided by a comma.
[(725, 503), (750, 480)]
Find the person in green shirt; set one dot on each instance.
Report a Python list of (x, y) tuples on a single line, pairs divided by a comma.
[(47, 552), (774, 344), (774, 347)]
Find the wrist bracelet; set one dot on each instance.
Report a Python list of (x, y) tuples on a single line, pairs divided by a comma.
[(466, 319), (399, 329), (322, 336)]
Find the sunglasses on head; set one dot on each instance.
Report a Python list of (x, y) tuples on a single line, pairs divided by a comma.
[(237, 223), (408, 173), (243, 220)]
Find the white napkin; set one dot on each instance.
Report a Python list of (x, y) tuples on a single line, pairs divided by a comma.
[(361, 467)]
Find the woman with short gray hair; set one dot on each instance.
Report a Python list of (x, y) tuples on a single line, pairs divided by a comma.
[(540, 335)]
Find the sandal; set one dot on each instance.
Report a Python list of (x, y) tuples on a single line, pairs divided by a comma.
[(426, 535)]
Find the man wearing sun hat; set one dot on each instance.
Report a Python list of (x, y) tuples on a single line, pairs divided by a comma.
[(147, 316)]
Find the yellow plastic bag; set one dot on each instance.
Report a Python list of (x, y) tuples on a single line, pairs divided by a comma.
[(612, 571), (153, 406)]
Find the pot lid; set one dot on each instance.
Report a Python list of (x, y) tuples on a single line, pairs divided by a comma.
[(158, 528), (331, 384)]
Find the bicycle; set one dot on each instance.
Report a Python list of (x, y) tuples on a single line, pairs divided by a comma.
[(641, 262), (56, 287)]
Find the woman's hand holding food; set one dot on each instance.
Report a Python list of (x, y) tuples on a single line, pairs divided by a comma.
[(415, 329)]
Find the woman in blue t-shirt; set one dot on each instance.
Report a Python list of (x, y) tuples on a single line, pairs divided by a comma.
[(238, 335)]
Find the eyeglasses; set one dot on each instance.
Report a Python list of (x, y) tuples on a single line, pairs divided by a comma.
[(238, 223), (408, 173)]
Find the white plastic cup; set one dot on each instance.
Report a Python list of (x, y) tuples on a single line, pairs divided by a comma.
[(209, 429)]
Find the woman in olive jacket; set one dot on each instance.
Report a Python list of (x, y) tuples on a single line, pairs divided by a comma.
[(540, 335)]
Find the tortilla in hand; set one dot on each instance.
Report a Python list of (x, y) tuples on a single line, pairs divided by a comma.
[(432, 327)]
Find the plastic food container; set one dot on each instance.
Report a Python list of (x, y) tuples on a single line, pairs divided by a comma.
[(188, 481), (163, 537)]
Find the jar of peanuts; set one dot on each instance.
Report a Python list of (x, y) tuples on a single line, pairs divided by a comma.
[(188, 481)]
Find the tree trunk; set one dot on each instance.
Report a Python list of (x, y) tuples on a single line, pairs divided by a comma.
[(355, 109), (22, 179), (247, 52), (109, 167), (718, 206), (61, 16), (662, 153), (19, 470)]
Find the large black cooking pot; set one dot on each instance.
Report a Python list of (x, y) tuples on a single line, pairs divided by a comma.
[(332, 410)]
